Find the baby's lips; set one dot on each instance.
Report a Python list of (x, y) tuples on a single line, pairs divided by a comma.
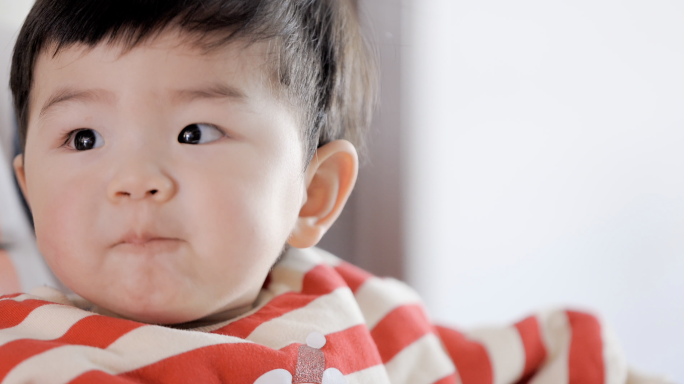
[(143, 237), (146, 243)]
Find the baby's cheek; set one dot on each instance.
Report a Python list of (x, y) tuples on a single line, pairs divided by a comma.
[(60, 230), (234, 242)]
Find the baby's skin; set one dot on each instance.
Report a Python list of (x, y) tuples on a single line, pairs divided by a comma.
[(166, 180)]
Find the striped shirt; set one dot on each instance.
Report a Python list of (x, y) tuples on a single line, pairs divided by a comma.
[(317, 320)]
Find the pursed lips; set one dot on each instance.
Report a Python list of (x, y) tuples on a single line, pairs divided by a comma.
[(147, 243)]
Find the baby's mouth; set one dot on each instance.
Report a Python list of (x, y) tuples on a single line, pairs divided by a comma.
[(147, 244)]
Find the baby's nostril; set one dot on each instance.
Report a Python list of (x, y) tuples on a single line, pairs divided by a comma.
[(153, 191)]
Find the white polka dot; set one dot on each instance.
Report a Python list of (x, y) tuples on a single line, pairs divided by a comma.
[(315, 340), (276, 376), (333, 376)]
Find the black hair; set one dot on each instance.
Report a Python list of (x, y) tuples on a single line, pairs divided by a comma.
[(322, 60)]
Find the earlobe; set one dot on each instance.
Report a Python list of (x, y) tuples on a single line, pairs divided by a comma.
[(330, 179), (18, 165)]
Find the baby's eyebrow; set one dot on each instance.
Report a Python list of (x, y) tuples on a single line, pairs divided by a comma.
[(212, 91), (63, 95)]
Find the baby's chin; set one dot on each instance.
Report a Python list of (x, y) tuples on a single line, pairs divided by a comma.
[(163, 308), (152, 294), (172, 302), (163, 304)]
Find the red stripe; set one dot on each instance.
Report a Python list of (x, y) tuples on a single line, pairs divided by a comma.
[(94, 331), (399, 329), (352, 275), (10, 296), (470, 357), (451, 379), (98, 331), (240, 363), (15, 352), (351, 350), (319, 281), (12, 313), (585, 363), (535, 351)]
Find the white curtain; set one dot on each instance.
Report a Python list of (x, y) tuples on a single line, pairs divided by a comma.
[(544, 164)]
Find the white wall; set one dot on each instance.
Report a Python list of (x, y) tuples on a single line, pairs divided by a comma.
[(12, 15), (13, 12), (545, 164)]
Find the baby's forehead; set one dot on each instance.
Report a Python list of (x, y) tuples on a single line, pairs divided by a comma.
[(171, 66), (167, 52)]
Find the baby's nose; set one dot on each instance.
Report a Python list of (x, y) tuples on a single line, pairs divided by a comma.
[(141, 182)]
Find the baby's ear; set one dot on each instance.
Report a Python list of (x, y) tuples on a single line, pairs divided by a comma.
[(19, 172), (330, 178)]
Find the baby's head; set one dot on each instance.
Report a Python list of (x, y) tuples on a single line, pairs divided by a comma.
[(173, 148)]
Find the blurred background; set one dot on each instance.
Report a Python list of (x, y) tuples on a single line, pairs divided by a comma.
[(525, 155)]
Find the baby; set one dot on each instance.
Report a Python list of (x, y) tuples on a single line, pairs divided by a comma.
[(181, 158)]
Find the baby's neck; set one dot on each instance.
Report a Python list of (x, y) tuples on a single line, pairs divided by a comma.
[(213, 318)]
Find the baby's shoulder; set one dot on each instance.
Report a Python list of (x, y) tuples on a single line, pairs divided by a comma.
[(384, 302), (375, 295)]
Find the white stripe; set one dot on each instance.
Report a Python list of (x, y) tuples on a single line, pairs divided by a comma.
[(20, 298), (285, 280), (556, 334), (505, 349), (327, 314), (34, 326), (613, 359), (377, 297), (288, 274), (327, 257), (46, 293), (138, 348), (373, 375), (150, 344), (302, 260), (422, 362)]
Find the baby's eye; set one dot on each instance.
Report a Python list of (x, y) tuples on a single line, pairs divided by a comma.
[(199, 134), (85, 139)]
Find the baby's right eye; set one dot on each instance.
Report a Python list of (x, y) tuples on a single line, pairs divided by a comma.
[(200, 133), (84, 139)]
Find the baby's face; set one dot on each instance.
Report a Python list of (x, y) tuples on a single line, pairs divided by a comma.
[(163, 181)]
